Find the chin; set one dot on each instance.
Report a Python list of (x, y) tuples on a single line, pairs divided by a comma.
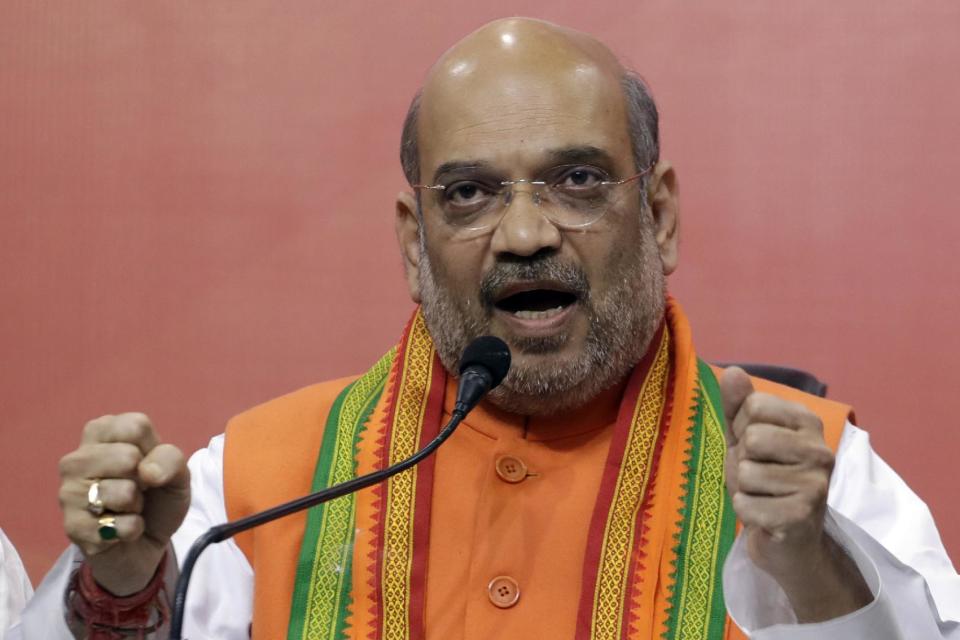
[(545, 385)]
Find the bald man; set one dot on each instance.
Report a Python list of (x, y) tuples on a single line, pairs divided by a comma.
[(597, 493)]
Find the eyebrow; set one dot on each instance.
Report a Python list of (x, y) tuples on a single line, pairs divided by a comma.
[(559, 156), (458, 165), (580, 153)]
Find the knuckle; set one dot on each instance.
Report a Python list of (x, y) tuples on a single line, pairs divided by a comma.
[(64, 495), (730, 472), (816, 423), (139, 418), (753, 404), (140, 426), (740, 503), (806, 419), (821, 456), (93, 427), (821, 487), (68, 464), (141, 422), (731, 465), (74, 524), (800, 411)]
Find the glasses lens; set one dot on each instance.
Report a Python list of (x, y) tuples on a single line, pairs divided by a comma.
[(469, 204), (582, 197)]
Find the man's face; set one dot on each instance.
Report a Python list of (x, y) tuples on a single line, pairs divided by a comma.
[(577, 307)]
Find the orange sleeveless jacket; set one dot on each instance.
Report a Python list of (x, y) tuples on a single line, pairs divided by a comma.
[(269, 457)]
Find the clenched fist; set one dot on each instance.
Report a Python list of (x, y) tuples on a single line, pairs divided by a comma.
[(145, 485), (778, 470)]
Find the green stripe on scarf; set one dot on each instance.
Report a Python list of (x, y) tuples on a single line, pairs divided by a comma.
[(321, 596), (697, 610)]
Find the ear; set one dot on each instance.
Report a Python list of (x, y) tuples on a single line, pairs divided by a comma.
[(408, 236), (664, 199)]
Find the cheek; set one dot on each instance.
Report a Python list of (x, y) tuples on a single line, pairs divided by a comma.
[(458, 264), (604, 255)]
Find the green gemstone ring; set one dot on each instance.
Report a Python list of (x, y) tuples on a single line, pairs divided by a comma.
[(108, 527)]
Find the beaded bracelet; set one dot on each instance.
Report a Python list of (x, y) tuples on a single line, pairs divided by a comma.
[(109, 617)]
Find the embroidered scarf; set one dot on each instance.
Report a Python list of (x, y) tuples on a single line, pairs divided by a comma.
[(661, 527)]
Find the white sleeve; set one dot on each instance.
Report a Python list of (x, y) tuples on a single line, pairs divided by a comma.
[(15, 587), (890, 535), (220, 598)]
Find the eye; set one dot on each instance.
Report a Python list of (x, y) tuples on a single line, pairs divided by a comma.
[(581, 180), (466, 194)]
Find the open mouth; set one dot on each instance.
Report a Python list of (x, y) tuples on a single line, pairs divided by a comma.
[(536, 303)]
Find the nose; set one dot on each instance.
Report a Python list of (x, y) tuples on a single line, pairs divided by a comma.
[(523, 229)]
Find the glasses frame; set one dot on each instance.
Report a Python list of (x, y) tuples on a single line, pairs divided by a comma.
[(537, 196)]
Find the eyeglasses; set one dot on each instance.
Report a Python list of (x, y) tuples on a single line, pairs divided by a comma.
[(569, 196)]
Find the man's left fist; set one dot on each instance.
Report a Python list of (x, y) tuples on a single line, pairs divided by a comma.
[(778, 470)]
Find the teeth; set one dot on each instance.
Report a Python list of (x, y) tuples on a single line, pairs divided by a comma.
[(537, 315)]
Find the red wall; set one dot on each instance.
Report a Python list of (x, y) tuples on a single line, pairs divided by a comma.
[(196, 203)]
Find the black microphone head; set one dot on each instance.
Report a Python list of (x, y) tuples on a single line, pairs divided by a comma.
[(489, 352)]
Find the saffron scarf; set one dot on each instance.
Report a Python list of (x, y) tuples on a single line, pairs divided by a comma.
[(661, 527)]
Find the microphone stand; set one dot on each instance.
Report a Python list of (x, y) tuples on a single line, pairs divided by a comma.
[(227, 530)]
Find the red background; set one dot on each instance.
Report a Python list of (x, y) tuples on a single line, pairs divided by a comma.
[(197, 198)]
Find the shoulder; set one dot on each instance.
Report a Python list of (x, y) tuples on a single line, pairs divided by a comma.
[(289, 414), (279, 440)]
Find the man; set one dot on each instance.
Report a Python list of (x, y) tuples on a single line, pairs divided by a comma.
[(593, 495)]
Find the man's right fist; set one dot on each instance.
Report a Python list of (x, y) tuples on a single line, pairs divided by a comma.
[(145, 485)]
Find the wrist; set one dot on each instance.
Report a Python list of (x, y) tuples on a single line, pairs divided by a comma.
[(129, 574)]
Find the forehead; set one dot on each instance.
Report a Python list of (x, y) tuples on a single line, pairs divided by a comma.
[(513, 115)]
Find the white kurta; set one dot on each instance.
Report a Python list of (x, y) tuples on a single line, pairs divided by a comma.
[(15, 587), (883, 525)]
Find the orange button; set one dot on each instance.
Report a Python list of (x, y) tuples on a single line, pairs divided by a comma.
[(503, 591), (511, 469)]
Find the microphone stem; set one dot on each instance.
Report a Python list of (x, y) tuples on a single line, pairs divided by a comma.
[(227, 530)]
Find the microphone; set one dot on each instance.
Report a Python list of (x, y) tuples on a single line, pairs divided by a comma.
[(483, 365)]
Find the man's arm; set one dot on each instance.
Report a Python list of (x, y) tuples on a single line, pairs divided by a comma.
[(778, 470), (887, 531), (221, 593)]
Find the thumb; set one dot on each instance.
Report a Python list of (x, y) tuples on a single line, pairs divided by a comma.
[(735, 387), (164, 467), (165, 474)]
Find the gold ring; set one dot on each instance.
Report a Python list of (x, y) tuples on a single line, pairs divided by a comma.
[(108, 527), (94, 503)]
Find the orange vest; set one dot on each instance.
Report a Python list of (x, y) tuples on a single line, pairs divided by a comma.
[(270, 454)]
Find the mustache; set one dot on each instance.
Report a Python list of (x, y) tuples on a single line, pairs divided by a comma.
[(508, 272)]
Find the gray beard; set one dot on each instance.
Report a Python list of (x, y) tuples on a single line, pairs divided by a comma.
[(622, 322)]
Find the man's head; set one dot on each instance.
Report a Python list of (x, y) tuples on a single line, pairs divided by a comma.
[(571, 273)]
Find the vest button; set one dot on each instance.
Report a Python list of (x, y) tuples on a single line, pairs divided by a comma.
[(503, 591), (511, 469)]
